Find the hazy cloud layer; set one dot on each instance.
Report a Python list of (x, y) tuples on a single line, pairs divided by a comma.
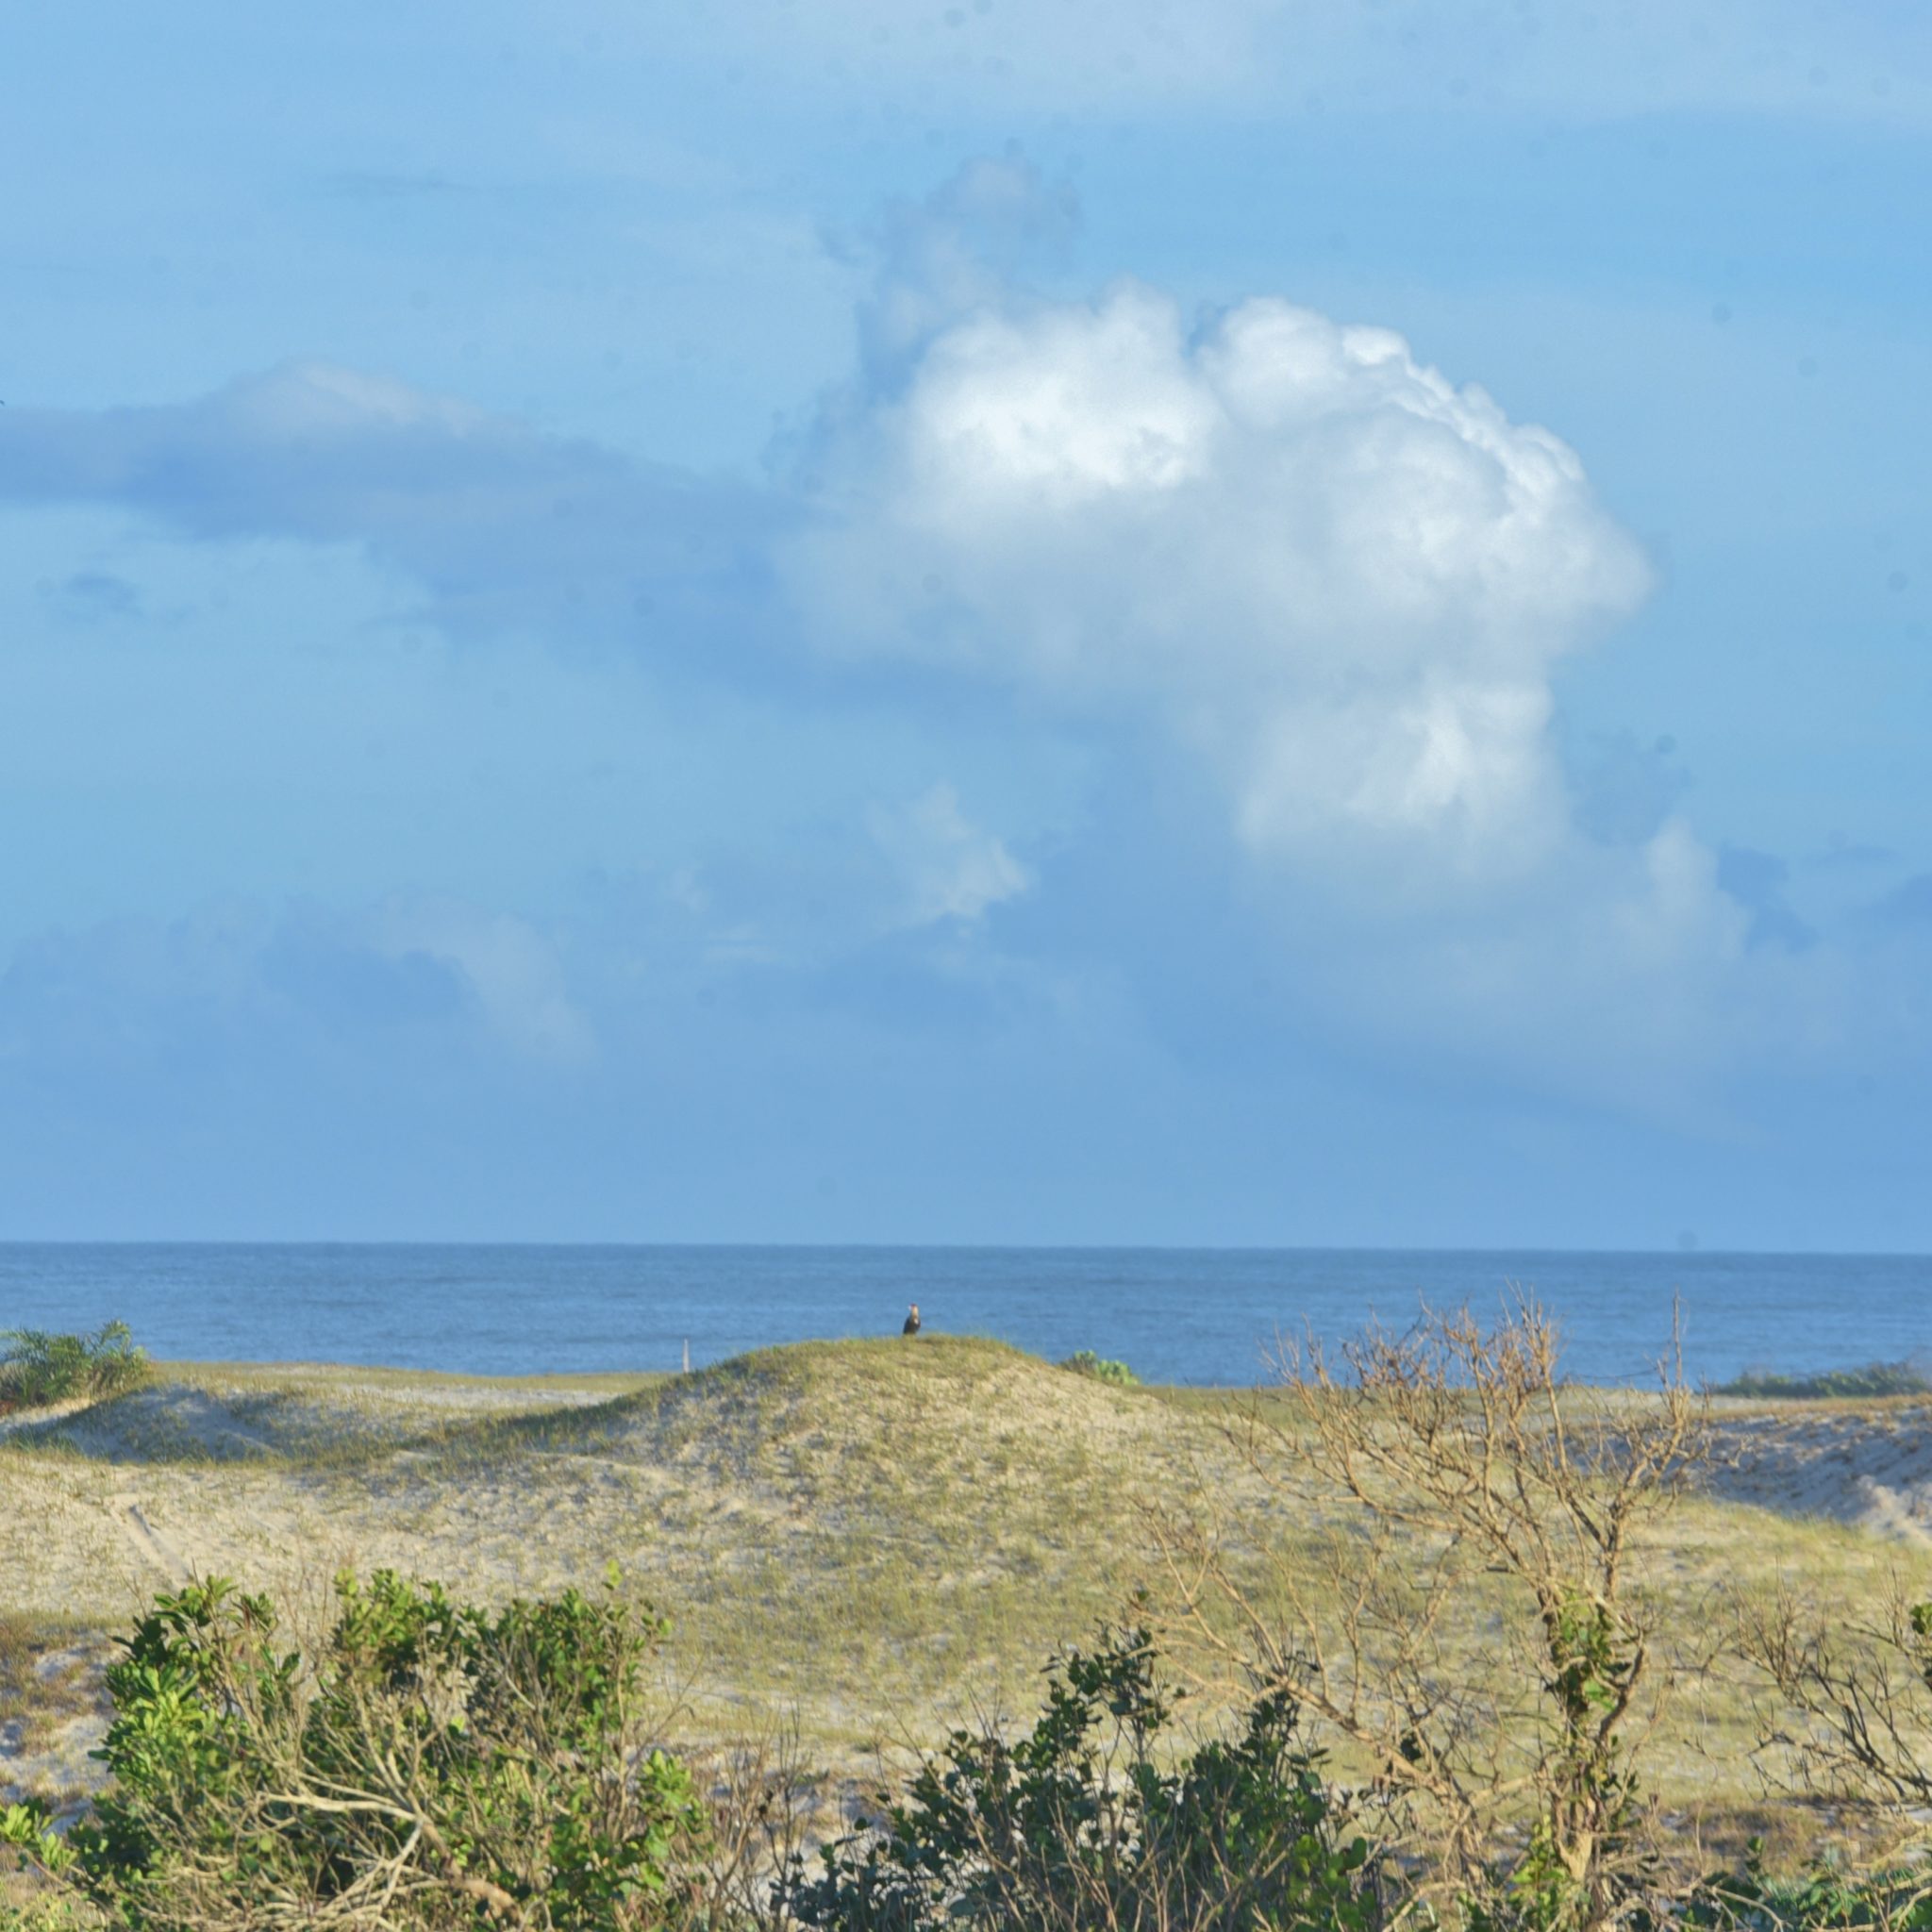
[(1273, 555), (238, 980), (1152, 56), (499, 526)]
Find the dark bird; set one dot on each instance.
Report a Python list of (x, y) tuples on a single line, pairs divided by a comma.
[(911, 1326)]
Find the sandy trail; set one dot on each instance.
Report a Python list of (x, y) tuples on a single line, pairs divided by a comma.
[(132, 1521)]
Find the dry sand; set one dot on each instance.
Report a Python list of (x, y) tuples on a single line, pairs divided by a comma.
[(1868, 1466), (780, 1506), (718, 1490)]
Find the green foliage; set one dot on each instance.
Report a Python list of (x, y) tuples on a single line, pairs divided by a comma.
[(1088, 1820), (435, 1761), (1822, 1898), (38, 1367), (1087, 1363), (1874, 1379), (1570, 1873)]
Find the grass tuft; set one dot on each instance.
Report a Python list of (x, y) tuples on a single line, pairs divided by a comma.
[(38, 1368)]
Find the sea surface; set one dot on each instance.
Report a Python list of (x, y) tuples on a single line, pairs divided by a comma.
[(1173, 1315)]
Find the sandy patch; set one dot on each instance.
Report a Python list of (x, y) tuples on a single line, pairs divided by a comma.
[(1871, 1469), (47, 1739)]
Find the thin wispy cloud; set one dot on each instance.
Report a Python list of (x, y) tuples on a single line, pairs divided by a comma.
[(499, 527), (1255, 56)]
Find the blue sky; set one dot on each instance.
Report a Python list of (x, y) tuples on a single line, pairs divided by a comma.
[(827, 620)]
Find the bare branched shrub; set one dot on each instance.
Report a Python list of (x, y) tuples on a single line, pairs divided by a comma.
[(1441, 1576), (1852, 1715), (767, 1808)]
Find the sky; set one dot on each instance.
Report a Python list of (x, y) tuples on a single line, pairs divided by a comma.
[(1227, 623)]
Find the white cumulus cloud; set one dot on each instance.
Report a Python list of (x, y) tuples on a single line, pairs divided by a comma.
[(1339, 577), (1339, 587)]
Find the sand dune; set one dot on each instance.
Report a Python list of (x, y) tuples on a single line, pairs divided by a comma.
[(1869, 1467), (822, 1520), (819, 1521)]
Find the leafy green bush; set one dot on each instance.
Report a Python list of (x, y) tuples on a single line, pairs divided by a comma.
[(434, 1764), (1089, 1821), (37, 1367), (1087, 1363), (1874, 1378)]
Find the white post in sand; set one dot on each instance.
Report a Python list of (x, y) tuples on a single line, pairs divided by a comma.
[(687, 1358)]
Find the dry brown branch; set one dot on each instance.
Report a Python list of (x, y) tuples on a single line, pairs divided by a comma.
[(767, 1810), (1441, 1573), (1853, 1710)]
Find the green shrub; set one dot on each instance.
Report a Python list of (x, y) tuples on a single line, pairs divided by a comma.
[(1087, 1363), (1090, 1820), (1874, 1379), (37, 1367), (436, 1763)]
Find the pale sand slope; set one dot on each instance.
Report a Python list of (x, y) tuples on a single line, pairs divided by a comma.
[(49, 1757), (828, 1522), (1870, 1467), (281, 1480), (210, 1478)]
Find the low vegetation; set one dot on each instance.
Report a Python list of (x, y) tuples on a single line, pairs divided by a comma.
[(431, 1763), (1090, 1820), (1874, 1381), (1085, 1363), (1421, 1635), (38, 1367)]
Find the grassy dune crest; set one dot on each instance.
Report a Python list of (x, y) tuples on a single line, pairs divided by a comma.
[(877, 1534), (850, 1524)]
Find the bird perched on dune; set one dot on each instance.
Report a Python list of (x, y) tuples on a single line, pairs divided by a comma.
[(911, 1326)]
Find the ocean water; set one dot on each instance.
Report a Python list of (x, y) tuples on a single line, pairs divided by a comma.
[(1174, 1315)]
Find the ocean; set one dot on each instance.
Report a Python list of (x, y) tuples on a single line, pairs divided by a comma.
[(1210, 1316)]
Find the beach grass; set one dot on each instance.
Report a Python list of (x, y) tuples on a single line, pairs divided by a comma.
[(880, 1537), (1872, 1381)]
